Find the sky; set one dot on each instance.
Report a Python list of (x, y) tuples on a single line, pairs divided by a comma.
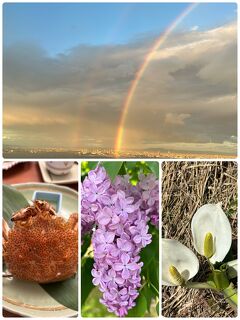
[(67, 69)]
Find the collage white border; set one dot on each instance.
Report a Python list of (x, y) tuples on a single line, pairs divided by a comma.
[(79, 160)]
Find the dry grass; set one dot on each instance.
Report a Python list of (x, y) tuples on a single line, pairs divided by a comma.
[(186, 187)]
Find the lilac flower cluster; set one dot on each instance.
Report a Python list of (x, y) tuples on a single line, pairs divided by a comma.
[(120, 212), (149, 189), (146, 192), (94, 191)]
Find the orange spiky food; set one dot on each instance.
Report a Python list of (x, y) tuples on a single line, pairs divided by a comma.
[(41, 246)]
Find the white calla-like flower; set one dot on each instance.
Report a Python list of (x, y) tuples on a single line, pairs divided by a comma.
[(212, 234), (179, 263)]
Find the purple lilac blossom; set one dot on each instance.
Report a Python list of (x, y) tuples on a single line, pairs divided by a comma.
[(149, 189), (94, 192), (120, 212), (146, 192)]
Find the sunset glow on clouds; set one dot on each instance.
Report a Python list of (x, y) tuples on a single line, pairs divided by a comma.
[(186, 99)]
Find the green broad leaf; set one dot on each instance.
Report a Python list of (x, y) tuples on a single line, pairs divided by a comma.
[(13, 201), (231, 296), (112, 168), (86, 278), (150, 253), (92, 164), (122, 170), (154, 277), (220, 279), (157, 308), (212, 284), (232, 273), (141, 307), (65, 292), (154, 166), (86, 244), (146, 290), (210, 281), (93, 308), (150, 270), (144, 168), (130, 165)]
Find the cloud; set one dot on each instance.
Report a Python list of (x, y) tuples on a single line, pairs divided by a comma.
[(176, 119), (186, 95), (194, 28)]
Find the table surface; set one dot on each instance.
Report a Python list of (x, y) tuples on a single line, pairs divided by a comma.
[(27, 172), (21, 173)]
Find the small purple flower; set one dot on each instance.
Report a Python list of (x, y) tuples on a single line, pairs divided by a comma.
[(97, 276), (113, 278), (122, 312), (150, 196), (124, 205), (124, 245), (125, 266), (149, 190), (97, 176), (103, 239), (98, 192), (148, 182), (141, 234), (111, 294), (106, 216)]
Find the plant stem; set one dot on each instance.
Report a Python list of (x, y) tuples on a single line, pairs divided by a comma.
[(230, 294), (155, 289), (210, 264), (220, 279), (143, 285), (199, 285)]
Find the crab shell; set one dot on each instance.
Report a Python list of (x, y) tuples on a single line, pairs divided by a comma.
[(41, 246)]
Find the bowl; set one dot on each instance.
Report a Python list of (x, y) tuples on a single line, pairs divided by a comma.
[(53, 198)]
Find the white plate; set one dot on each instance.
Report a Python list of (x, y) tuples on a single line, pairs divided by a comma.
[(71, 177), (28, 298)]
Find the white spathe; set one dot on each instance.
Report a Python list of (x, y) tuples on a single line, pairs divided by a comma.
[(211, 218), (182, 258)]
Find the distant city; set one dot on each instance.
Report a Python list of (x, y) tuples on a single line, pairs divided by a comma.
[(10, 152)]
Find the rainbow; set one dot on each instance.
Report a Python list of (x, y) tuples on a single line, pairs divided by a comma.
[(140, 72)]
